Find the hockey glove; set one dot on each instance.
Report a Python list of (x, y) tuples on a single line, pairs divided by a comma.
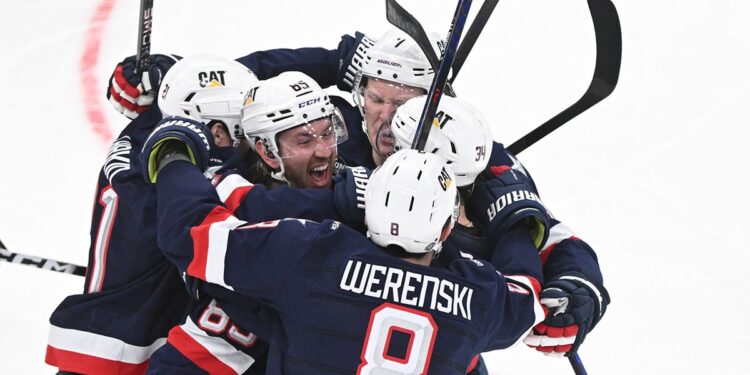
[(176, 138), (349, 193), (132, 94), (575, 306), (499, 202)]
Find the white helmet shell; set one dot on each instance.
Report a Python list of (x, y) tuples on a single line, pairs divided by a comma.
[(207, 88), (460, 134), (408, 201), (396, 57), (283, 102)]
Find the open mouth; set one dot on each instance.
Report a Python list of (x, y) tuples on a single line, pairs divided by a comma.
[(320, 176), (385, 140)]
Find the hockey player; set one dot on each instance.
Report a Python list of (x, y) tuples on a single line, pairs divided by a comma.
[(573, 291), (295, 130), (391, 310), (565, 255), (132, 294)]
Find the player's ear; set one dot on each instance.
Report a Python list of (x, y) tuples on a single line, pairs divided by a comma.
[(260, 148), (446, 230), (221, 136)]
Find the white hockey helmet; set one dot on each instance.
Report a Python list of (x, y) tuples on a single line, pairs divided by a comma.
[(207, 88), (408, 201), (397, 58), (286, 101), (460, 134)]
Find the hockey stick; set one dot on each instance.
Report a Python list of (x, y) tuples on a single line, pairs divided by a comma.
[(606, 72), (472, 35), (144, 35), (575, 362), (38, 262), (400, 18), (441, 75)]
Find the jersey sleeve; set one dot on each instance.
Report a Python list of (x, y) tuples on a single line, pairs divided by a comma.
[(255, 203), (328, 67), (206, 241), (515, 308), (563, 252)]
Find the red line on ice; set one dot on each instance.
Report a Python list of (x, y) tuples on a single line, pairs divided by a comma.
[(90, 85)]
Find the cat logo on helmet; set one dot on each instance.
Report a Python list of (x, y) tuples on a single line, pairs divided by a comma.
[(213, 78), (442, 119), (444, 179), (250, 96)]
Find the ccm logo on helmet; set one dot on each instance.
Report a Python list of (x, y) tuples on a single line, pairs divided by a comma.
[(444, 179), (309, 102), (205, 78)]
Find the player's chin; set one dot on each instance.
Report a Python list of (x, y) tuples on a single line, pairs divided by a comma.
[(319, 177)]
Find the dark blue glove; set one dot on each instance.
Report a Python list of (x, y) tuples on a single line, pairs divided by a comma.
[(349, 194), (575, 306), (177, 138), (499, 202), (132, 94)]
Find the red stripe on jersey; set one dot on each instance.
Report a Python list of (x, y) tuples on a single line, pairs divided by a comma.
[(499, 169), (196, 353), (68, 361), (473, 364), (236, 197), (200, 236), (546, 252)]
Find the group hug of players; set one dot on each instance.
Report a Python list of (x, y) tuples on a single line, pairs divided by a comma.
[(247, 222)]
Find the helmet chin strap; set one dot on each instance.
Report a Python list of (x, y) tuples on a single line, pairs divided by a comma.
[(279, 176)]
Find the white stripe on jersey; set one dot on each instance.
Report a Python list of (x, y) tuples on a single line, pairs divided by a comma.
[(100, 346), (229, 185), (538, 309), (218, 238), (558, 233), (218, 347)]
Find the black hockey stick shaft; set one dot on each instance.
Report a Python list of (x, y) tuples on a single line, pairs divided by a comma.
[(575, 362), (606, 72), (144, 35), (441, 76), (38, 262), (472, 34), (400, 18)]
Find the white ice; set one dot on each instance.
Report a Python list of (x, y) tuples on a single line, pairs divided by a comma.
[(653, 177)]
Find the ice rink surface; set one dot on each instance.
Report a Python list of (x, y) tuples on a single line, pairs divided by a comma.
[(654, 177)]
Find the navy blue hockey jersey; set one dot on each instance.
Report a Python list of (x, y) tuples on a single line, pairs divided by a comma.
[(133, 294), (562, 253), (342, 304)]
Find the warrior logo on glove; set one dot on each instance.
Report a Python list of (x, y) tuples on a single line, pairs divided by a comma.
[(510, 198)]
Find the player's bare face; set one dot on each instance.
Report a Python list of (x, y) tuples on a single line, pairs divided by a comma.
[(309, 153), (381, 99)]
